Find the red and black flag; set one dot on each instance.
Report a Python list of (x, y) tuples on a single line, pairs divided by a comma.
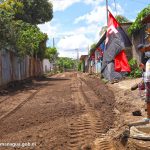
[(116, 41)]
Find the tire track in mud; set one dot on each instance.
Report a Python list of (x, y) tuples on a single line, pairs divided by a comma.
[(134, 144), (17, 107), (4, 99), (88, 126), (79, 132), (103, 143)]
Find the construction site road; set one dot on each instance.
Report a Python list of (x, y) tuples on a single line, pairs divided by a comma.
[(67, 111)]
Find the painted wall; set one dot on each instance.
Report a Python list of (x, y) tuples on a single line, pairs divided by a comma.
[(87, 64), (97, 62)]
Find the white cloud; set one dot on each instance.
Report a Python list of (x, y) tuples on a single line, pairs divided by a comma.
[(61, 5), (89, 29), (97, 15), (73, 54), (83, 36), (93, 2), (74, 42), (49, 29), (117, 8)]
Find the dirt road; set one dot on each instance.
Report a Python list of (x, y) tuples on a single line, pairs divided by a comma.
[(63, 112)]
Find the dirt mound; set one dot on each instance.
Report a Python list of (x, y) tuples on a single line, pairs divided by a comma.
[(106, 101)]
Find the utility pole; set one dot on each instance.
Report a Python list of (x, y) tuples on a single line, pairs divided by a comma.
[(107, 10), (53, 42)]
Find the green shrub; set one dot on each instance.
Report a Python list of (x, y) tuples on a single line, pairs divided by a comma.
[(79, 66), (135, 70), (137, 25)]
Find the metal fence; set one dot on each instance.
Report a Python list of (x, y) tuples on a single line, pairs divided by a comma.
[(13, 68)]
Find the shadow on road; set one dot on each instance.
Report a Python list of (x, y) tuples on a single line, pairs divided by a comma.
[(52, 79), (28, 84)]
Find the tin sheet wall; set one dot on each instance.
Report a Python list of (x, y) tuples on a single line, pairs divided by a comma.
[(13, 68)]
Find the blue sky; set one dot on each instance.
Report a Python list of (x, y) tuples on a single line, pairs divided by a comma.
[(76, 23)]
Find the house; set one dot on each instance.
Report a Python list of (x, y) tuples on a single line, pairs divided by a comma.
[(125, 27), (96, 54), (139, 37), (47, 66), (84, 59)]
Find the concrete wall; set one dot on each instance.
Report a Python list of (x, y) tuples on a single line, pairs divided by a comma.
[(137, 38), (47, 66)]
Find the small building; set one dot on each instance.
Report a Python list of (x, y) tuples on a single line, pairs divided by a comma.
[(47, 66), (139, 37), (96, 54), (84, 59), (128, 50)]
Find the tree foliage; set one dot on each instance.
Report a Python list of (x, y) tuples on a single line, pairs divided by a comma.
[(103, 30), (66, 63), (5, 28), (36, 11), (12, 6), (30, 11), (25, 38), (51, 53), (136, 72), (121, 19), (137, 25), (93, 46), (29, 39)]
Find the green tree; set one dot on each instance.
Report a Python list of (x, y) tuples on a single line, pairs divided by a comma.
[(12, 6), (51, 53), (2, 1), (7, 12), (7, 32), (25, 38), (66, 63), (122, 19), (36, 11), (29, 38), (103, 30), (93, 46)]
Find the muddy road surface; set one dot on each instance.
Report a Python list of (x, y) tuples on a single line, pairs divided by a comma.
[(64, 112)]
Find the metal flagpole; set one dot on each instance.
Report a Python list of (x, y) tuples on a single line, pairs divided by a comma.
[(107, 10)]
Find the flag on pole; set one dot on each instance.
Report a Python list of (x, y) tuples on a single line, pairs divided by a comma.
[(116, 41)]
